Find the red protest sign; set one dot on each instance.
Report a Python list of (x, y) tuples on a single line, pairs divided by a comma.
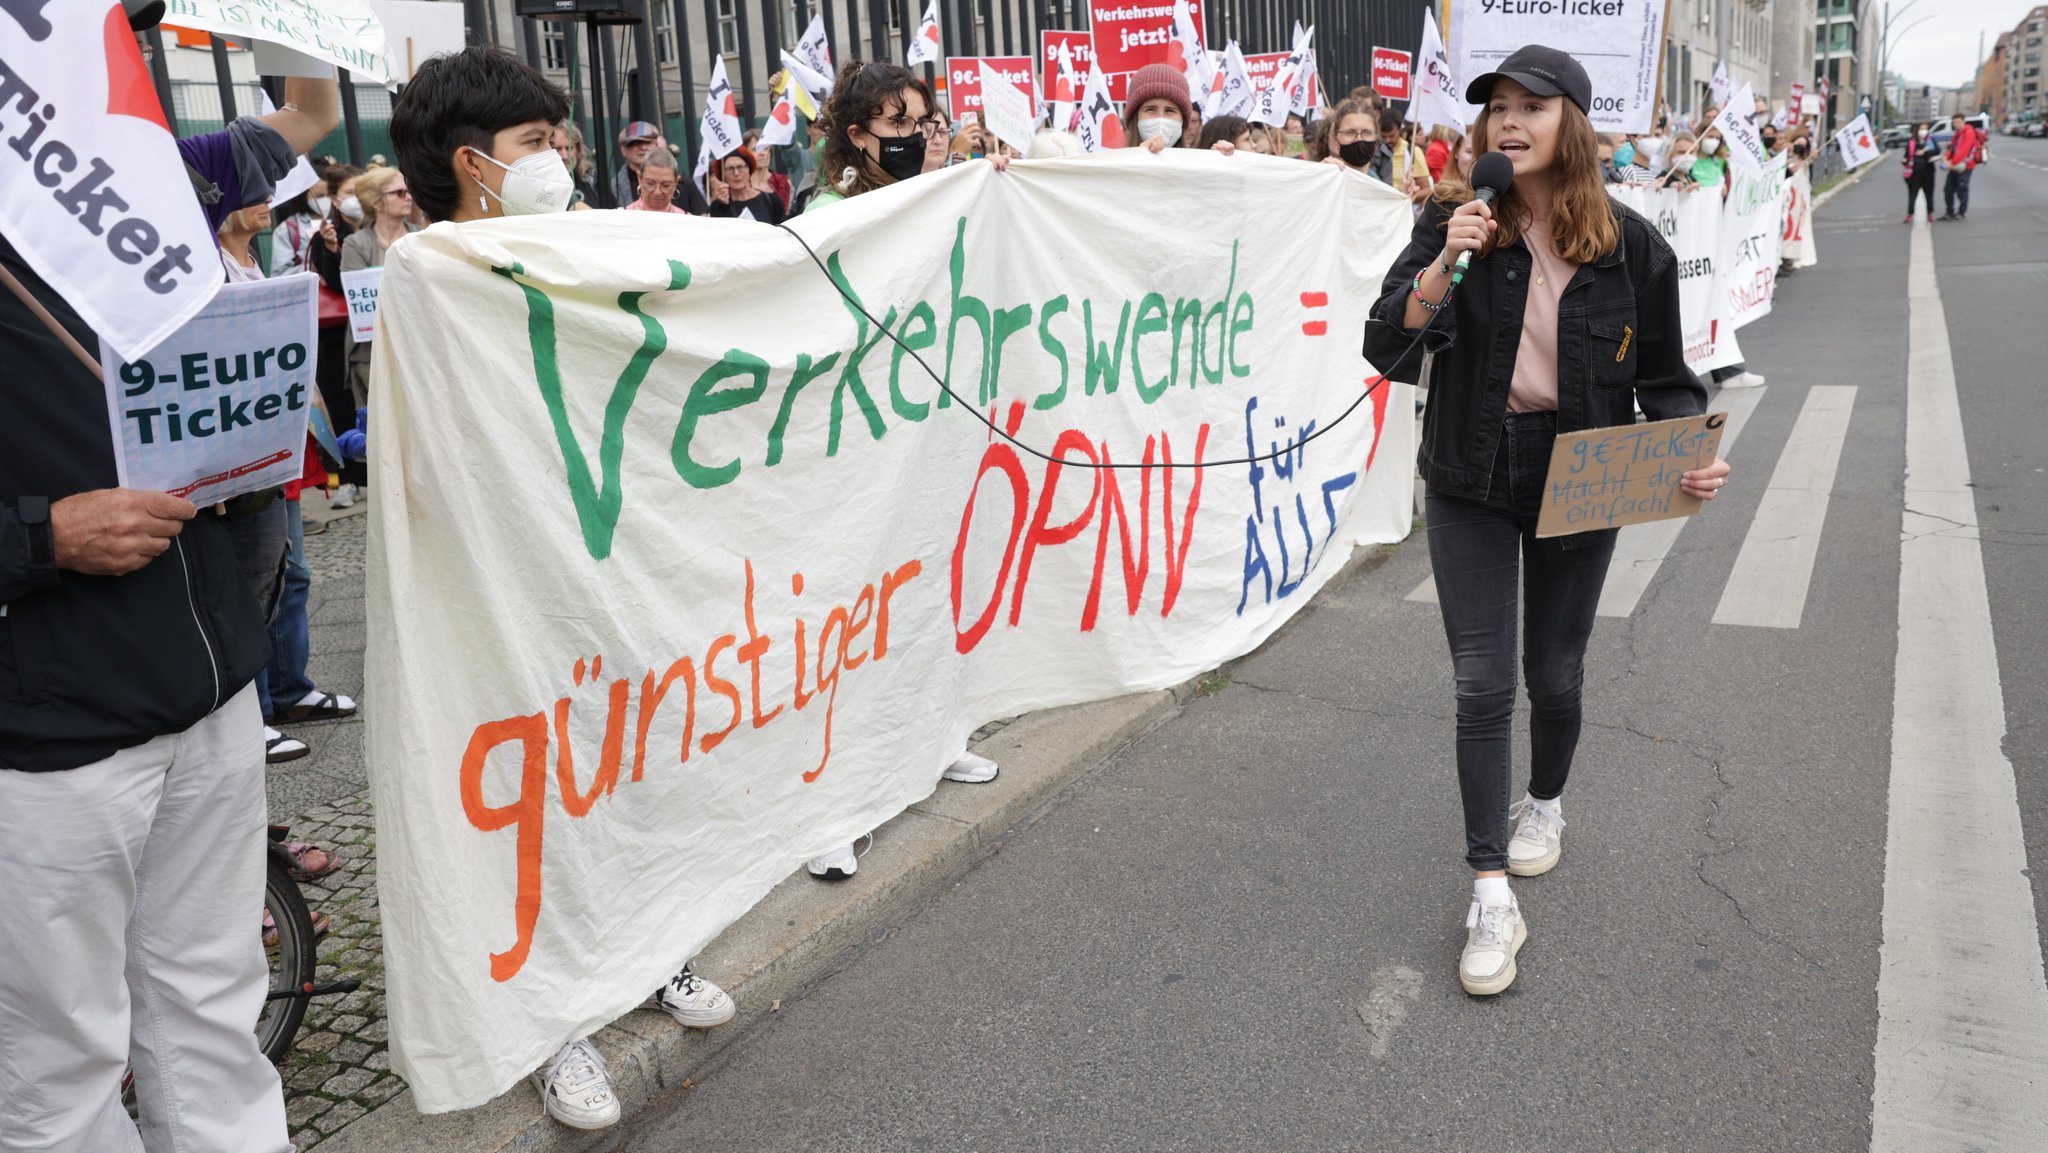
[(963, 81), (1080, 48), (1264, 66), (1130, 34), (1391, 69)]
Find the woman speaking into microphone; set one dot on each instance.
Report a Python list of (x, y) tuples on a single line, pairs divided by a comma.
[(1567, 319)]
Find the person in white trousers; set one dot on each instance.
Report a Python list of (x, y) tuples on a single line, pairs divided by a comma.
[(129, 890)]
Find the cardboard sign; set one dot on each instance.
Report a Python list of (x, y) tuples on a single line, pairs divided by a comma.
[(1129, 35), (1391, 68), (1609, 477), (1812, 106), (963, 81), (219, 408), (1007, 109), (360, 287), (1798, 91)]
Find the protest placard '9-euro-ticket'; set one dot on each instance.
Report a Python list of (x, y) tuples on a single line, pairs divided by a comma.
[(219, 408)]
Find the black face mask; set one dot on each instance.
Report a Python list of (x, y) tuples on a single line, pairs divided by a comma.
[(1358, 153), (1770, 142), (902, 157), (1799, 150)]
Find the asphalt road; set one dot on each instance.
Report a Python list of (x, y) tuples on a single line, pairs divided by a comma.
[(1242, 933)]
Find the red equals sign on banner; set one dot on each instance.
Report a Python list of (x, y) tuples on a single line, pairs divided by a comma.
[(1315, 300)]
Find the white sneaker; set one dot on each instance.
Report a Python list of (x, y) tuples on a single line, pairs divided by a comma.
[(836, 865), (344, 497), (694, 1002), (1746, 380), (1494, 934), (577, 1088), (1538, 842), (971, 769)]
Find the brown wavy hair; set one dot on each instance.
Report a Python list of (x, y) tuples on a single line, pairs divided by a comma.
[(863, 91), (1583, 225)]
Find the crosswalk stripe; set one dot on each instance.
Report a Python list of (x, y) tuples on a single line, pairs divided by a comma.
[(1768, 586), (1962, 1003), (1641, 548)]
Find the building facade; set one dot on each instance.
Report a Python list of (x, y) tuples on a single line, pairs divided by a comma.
[(2021, 77), (1848, 52), (1692, 42)]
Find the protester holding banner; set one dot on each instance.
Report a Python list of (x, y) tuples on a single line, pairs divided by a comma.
[(1228, 134), (1684, 157), (472, 131), (1354, 142), (1710, 165), (881, 123), (1585, 294), (1157, 106), (737, 193)]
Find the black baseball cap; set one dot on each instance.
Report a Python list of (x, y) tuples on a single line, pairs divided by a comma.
[(1542, 70)]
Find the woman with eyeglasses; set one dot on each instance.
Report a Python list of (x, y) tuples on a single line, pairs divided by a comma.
[(883, 128), (387, 217), (881, 124), (1354, 142)]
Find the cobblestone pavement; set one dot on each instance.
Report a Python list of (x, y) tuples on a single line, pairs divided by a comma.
[(339, 1068)]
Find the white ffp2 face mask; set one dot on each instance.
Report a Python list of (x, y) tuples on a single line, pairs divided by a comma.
[(1160, 128), (1710, 146), (536, 185), (318, 205)]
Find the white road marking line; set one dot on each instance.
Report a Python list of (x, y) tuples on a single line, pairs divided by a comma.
[(1961, 997), (1772, 572), (1641, 548)]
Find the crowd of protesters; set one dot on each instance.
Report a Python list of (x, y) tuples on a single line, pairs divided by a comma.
[(152, 770)]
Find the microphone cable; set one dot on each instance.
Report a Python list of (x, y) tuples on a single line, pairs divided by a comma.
[(846, 294)]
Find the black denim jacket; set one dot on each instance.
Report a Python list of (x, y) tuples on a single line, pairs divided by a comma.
[(1619, 342)]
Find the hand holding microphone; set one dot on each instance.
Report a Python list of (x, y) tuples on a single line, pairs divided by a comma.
[(1468, 230), (1473, 225)]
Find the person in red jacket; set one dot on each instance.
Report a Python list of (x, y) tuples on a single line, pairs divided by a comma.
[(1965, 152)]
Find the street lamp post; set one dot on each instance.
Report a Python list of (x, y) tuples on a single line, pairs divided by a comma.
[(1884, 54)]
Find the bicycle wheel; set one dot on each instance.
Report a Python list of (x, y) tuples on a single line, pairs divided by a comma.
[(291, 962)]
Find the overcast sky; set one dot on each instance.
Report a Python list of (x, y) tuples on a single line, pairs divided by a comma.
[(1943, 51)]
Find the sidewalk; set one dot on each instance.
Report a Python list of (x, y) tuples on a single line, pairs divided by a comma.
[(339, 1091)]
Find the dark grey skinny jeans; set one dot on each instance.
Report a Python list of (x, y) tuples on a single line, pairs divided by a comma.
[(1478, 548)]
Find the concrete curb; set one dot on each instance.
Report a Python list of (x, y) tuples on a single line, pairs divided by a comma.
[(806, 930)]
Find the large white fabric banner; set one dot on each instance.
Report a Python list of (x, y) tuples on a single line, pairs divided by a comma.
[(1752, 231), (1690, 220), (1797, 247), (1618, 42), (683, 572)]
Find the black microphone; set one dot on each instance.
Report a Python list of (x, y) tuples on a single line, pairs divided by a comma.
[(1492, 175)]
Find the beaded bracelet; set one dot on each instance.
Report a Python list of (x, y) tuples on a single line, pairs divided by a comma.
[(1426, 302)]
